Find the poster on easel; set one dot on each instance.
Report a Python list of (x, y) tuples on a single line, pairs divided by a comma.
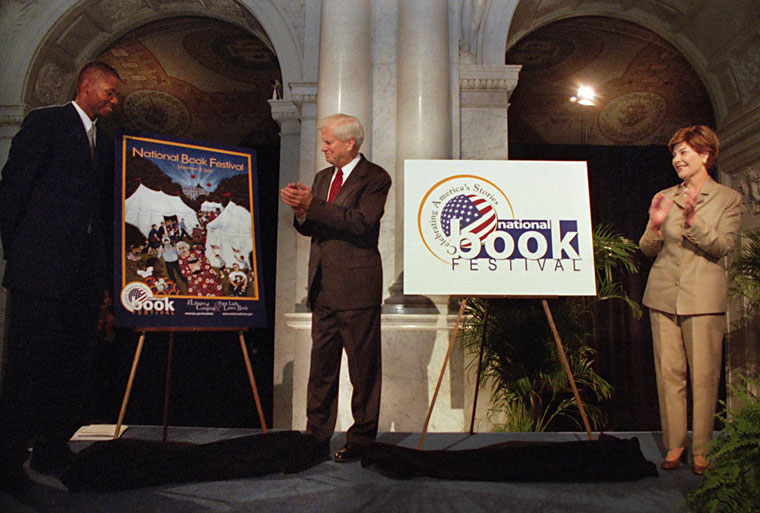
[(497, 228), (187, 252)]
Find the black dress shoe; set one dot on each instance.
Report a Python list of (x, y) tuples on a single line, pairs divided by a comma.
[(350, 453)]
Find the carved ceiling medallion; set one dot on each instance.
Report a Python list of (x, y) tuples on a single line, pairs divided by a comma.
[(632, 117), (156, 111)]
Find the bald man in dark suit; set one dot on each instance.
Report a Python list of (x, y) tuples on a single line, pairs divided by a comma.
[(341, 213), (54, 198)]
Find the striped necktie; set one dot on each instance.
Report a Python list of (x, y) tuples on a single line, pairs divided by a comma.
[(337, 182)]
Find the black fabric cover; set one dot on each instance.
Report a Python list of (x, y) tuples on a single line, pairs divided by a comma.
[(127, 464), (605, 459)]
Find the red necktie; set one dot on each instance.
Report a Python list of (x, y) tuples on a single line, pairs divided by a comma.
[(337, 182)]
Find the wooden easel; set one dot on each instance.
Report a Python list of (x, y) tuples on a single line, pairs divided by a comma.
[(560, 350), (171, 331)]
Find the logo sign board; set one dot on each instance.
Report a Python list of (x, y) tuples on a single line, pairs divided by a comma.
[(501, 228)]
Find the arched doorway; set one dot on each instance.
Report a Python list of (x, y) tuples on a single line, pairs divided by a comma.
[(645, 90), (204, 80)]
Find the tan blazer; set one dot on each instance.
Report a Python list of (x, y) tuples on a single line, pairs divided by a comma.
[(688, 276)]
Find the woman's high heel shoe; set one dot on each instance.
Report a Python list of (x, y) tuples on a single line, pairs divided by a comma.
[(699, 468), (675, 463)]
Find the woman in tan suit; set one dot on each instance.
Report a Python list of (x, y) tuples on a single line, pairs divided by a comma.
[(691, 226)]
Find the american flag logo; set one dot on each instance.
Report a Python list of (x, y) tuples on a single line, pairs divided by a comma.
[(137, 296), (476, 215), (134, 295)]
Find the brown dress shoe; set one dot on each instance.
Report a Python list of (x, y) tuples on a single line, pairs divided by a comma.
[(699, 468), (673, 464)]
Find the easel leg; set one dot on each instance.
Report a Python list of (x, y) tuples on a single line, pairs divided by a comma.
[(255, 390), (443, 370), (168, 383), (129, 385), (480, 365), (562, 356)]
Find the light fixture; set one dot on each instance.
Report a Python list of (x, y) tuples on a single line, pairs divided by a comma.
[(585, 96)]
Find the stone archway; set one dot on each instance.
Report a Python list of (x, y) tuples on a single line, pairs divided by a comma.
[(48, 40), (84, 30)]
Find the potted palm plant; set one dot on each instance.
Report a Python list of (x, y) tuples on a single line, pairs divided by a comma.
[(531, 390)]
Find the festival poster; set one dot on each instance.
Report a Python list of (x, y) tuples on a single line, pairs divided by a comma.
[(187, 249)]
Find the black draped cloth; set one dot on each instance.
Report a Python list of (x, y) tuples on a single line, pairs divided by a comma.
[(127, 464)]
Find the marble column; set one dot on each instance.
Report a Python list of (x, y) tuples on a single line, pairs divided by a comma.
[(305, 96), (423, 111), (286, 114), (484, 93), (297, 120), (345, 65)]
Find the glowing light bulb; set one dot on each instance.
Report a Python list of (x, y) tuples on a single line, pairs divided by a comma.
[(585, 95)]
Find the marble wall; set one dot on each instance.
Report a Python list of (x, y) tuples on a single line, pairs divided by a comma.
[(51, 38)]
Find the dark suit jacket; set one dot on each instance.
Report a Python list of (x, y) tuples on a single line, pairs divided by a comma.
[(50, 193), (344, 236)]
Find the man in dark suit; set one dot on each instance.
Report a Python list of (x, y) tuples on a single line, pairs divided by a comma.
[(54, 222), (341, 213)]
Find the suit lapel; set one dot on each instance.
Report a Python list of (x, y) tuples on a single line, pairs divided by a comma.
[(678, 195), (322, 182), (353, 181), (79, 134), (705, 193)]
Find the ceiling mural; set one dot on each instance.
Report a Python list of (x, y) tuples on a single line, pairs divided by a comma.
[(645, 89), (209, 80), (197, 78)]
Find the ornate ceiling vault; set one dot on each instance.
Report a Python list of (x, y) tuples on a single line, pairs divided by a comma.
[(645, 89), (198, 78)]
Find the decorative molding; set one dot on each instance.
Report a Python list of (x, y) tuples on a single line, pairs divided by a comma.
[(14, 121), (303, 92), (12, 115), (390, 322), (746, 68), (50, 81), (732, 165), (740, 143), (476, 77), (283, 112), (731, 135), (747, 182)]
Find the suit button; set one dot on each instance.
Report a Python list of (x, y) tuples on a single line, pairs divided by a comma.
[(676, 284)]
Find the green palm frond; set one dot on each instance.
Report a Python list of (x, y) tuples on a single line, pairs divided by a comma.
[(744, 268), (520, 359)]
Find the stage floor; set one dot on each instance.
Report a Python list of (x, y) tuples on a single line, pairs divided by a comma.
[(336, 488)]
